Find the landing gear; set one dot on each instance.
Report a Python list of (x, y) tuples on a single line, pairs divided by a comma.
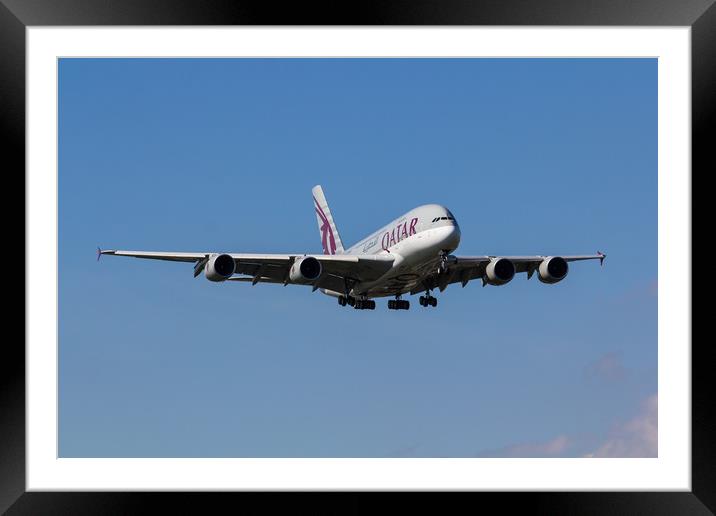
[(358, 304), (443, 265), (346, 300), (364, 304), (398, 304), (428, 300)]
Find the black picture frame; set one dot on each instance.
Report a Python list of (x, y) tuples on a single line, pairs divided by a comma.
[(16, 15)]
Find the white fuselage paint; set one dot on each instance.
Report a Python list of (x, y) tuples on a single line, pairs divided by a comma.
[(415, 240)]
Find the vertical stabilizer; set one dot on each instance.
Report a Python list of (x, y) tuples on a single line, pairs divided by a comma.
[(329, 234)]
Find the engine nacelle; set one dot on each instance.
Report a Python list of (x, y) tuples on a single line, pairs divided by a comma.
[(499, 271), (305, 270), (220, 267), (553, 269)]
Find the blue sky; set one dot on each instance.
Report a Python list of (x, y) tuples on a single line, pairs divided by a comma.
[(533, 156)]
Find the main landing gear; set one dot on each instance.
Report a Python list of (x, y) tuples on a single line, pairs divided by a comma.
[(358, 304), (364, 304), (428, 300), (398, 304)]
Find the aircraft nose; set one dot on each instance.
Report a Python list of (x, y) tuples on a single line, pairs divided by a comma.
[(456, 234), (452, 238)]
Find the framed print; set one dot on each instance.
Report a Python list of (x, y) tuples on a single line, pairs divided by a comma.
[(177, 129)]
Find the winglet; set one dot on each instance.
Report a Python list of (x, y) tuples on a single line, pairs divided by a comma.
[(601, 257), (99, 253)]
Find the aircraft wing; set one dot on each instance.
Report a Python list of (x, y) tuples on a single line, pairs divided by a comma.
[(462, 269), (274, 268)]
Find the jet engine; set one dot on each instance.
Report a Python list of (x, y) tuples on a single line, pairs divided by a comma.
[(499, 271), (553, 269), (305, 270), (220, 267)]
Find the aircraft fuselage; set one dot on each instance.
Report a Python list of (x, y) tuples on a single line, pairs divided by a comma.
[(416, 241)]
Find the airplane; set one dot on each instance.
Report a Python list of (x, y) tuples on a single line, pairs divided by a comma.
[(410, 255)]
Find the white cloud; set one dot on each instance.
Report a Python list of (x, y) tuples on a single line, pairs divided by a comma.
[(607, 367), (552, 448), (637, 437)]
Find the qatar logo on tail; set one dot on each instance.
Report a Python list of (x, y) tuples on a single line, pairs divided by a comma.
[(327, 238)]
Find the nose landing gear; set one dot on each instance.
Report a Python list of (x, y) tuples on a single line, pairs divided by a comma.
[(443, 265)]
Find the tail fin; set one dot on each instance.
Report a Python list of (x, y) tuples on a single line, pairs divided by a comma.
[(329, 234)]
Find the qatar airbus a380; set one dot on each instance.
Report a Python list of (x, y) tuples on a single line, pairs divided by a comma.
[(411, 255)]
